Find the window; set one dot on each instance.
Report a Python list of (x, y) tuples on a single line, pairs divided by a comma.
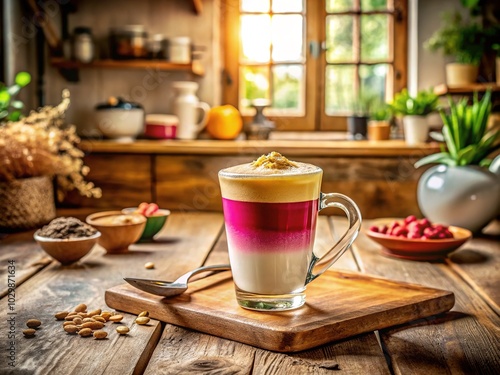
[(313, 60)]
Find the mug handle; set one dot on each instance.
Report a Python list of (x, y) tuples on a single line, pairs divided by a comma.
[(204, 107), (346, 204)]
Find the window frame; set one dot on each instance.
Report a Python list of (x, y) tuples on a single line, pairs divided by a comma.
[(315, 117)]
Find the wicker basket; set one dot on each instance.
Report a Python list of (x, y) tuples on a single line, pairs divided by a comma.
[(26, 203)]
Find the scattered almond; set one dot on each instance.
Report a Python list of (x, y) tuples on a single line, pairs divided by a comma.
[(94, 312), (93, 325), (122, 330), (82, 315), (77, 321), (85, 332), (142, 320), (68, 323), (144, 313), (106, 315), (99, 335), (81, 308), (70, 317), (149, 265), (33, 323), (71, 328), (61, 315), (87, 320), (116, 318), (99, 318), (29, 332)]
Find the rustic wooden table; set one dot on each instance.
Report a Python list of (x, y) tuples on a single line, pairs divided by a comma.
[(465, 340)]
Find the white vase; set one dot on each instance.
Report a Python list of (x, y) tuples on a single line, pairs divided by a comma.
[(416, 129)]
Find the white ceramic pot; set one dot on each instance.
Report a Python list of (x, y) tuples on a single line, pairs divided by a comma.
[(120, 120), (461, 74), (416, 129), (467, 197)]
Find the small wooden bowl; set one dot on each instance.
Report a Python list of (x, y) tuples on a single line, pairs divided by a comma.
[(117, 237), (66, 250)]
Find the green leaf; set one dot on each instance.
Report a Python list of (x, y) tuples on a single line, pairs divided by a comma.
[(22, 79), (17, 104), (4, 97), (14, 116), (3, 114), (465, 155), (441, 158), (450, 142), (14, 90)]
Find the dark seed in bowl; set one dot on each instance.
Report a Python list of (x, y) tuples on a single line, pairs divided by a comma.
[(67, 227)]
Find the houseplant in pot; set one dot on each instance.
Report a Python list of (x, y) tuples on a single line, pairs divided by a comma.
[(357, 122), (414, 111), (35, 150), (464, 188), (464, 42), (379, 125)]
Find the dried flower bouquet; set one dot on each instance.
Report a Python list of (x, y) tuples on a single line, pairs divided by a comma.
[(41, 144)]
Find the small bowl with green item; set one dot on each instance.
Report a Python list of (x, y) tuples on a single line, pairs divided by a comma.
[(155, 219)]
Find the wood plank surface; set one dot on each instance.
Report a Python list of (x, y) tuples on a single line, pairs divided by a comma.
[(184, 244), (465, 340), (478, 263)]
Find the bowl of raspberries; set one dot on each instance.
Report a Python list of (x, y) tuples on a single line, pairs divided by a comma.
[(416, 239)]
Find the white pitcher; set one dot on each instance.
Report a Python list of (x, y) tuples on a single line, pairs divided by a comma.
[(187, 108)]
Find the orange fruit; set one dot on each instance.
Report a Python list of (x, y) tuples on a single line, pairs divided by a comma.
[(224, 122)]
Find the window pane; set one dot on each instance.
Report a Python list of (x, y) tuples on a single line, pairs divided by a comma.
[(339, 38), (288, 88), (373, 81), (287, 35), (256, 38), (254, 84), (280, 6), (339, 5), (254, 5), (368, 5), (339, 88), (374, 37)]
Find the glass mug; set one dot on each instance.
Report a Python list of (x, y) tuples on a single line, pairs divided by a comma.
[(270, 217)]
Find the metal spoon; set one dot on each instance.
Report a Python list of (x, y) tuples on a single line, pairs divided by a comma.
[(169, 289)]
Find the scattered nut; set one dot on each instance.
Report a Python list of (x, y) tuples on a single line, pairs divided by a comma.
[(77, 321), (99, 318), (61, 315), (149, 265), (94, 312), (93, 325), (70, 317), (81, 308), (71, 328), (33, 323), (99, 335), (144, 313), (122, 330), (29, 332), (142, 320), (82, 315), (85, 332), (68, 323), (87, 320), (106, 315), (116, 318)]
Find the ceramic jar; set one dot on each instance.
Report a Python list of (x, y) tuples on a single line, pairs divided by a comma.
[(467, 197)]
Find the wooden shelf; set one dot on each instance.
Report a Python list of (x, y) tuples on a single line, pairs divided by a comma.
[(195, 67), (443, 89)]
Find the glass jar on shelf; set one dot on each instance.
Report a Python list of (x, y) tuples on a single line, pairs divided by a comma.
[(83, 48)]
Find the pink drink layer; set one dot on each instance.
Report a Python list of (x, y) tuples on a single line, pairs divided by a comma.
[(270, 227)]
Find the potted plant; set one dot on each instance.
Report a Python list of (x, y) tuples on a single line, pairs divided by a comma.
[(357, 122), (33, 151), (465, 42), (461, 190), (414, 110), (379, 125)]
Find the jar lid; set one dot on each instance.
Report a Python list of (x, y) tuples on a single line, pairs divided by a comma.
[(118, 103), (160, 119)]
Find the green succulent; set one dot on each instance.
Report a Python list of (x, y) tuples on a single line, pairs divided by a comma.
[(422, 104), (381, 112), (10, 108), (467, 137)]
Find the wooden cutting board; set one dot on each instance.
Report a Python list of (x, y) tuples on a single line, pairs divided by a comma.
[(338, 305)]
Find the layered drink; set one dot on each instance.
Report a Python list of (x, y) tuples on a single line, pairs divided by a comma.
[(270, 211)]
